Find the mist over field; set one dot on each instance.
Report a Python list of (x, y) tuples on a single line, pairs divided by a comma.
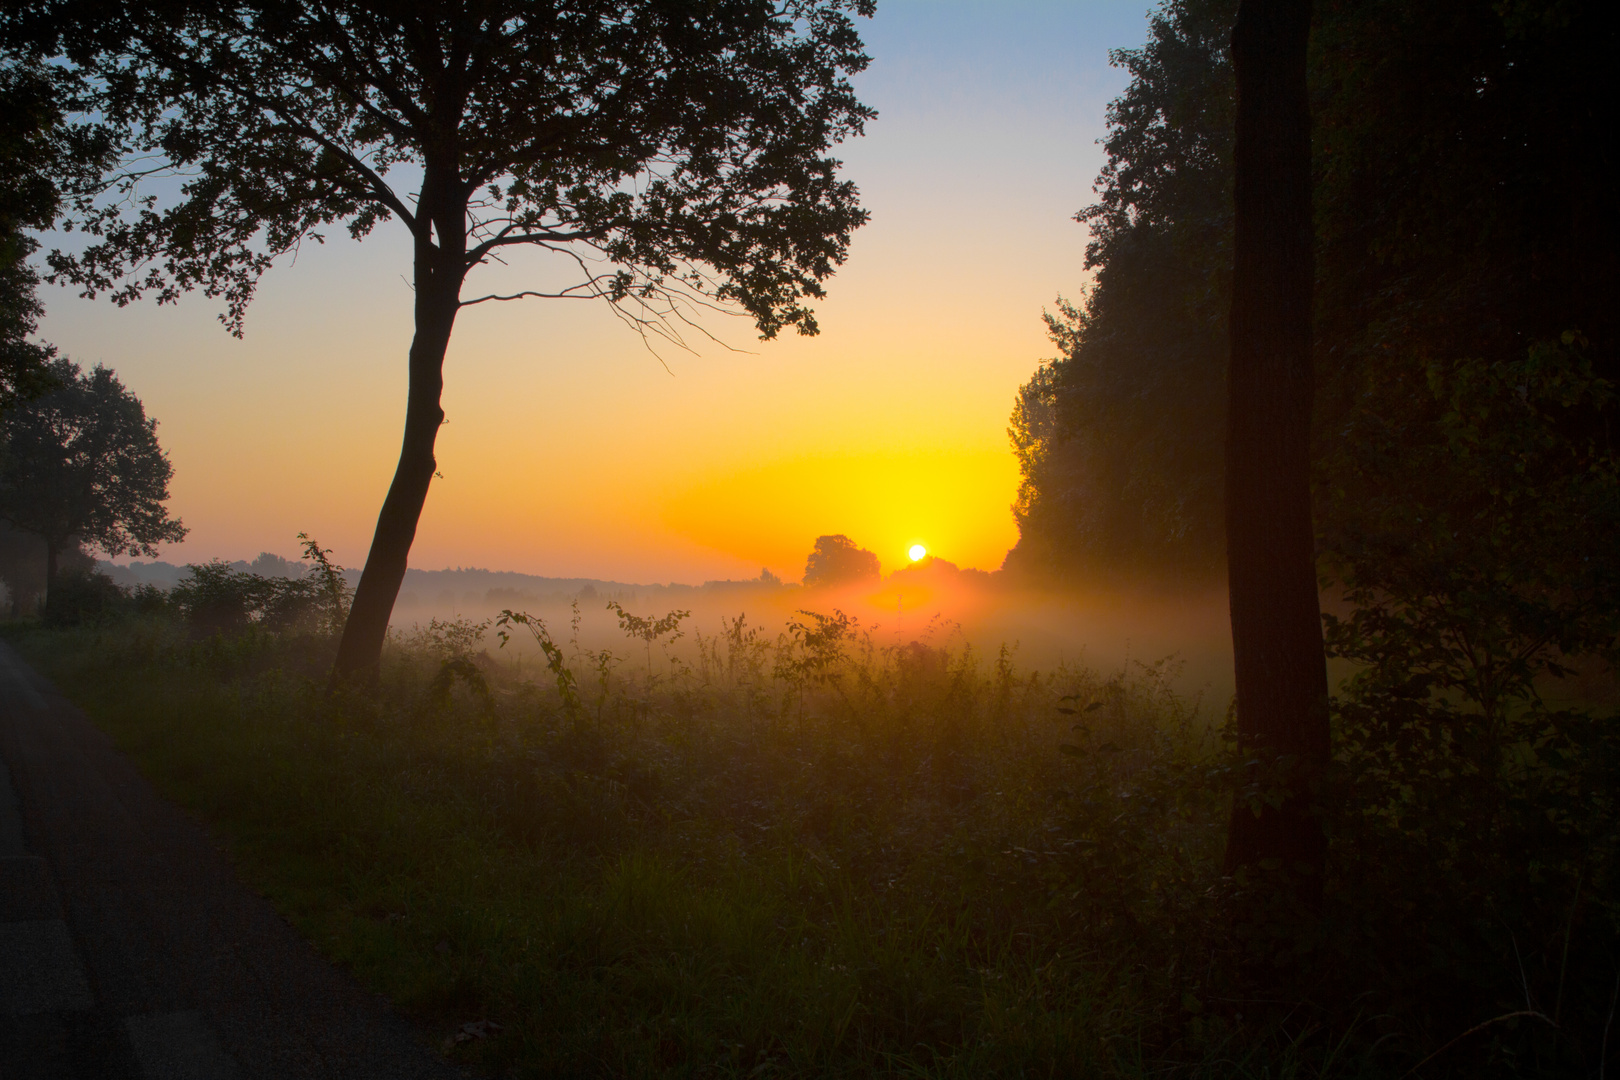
[(933, 602)]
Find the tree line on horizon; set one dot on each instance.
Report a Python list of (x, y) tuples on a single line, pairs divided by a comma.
[(834, 562)]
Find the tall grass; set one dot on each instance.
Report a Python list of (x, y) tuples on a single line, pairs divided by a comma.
[(811, 854)]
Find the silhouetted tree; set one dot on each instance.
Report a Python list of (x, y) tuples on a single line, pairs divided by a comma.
[(1467, 492), (1119, 438), (1281, 674), (838, 560), (82, 461), (674, 155)]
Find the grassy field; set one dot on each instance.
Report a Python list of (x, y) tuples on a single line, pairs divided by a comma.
[(809, 856)]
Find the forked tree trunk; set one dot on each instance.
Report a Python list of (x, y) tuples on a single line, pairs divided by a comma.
[(1281, 673), (439, 271)]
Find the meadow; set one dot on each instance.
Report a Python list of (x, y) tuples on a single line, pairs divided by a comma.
[(809, 853)]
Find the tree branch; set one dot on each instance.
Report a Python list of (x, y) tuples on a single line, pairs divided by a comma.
[(506, 238)]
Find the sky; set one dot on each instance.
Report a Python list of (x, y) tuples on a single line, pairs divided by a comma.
[(572, 451)]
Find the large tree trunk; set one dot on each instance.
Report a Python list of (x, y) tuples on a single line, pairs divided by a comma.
[(439, 272), (1282, 717), (53, 548)]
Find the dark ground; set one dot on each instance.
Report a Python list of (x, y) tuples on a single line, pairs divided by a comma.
[(128, 948)]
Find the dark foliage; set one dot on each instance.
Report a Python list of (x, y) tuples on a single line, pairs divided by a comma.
[(1120, 439), (1461, 154), (42, 157), (80, 597), (214, 598), (1465, 156), (83, 461), (285, 127), (27, 201), (1466, 495), (84, 596), (1481, 551)]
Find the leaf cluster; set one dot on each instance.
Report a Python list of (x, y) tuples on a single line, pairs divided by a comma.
[(87, 597), (1462, 211), (41, 157), (1475, 532), (670, 153)]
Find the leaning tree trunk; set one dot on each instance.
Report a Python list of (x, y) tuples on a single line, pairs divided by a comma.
[(439, 271), (1282, 718)]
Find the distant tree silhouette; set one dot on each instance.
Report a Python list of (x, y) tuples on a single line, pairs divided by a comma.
[(672, 155), (838, 560), (82, 463)]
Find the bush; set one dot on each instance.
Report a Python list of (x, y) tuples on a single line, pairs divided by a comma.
[(216, 599), (1473, 823), (80, 597)]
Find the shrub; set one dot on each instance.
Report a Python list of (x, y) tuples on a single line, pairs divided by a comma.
[(214, 598), (78, 597)]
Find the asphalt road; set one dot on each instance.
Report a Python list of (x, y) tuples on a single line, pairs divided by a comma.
[(128, 948)]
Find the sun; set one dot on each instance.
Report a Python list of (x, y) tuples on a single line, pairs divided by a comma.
[(917, 552)]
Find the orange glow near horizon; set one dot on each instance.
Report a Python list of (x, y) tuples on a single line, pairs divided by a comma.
[(776, 511), (571, 451)]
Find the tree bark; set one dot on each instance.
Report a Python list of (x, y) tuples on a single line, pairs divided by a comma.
[(52, 551), (439, 271), (1281, 673)]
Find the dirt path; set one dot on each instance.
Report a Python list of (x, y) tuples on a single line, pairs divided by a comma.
[(128, 948)]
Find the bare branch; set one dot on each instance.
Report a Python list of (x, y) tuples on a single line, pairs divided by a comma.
[(585, 290)]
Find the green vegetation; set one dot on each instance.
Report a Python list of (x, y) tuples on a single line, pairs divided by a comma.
[(821, 855), (1464, 476), (866, 865)]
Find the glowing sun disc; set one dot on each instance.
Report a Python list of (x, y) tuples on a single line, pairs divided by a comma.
[(917, 552)]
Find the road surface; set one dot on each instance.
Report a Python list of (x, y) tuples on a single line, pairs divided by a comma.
[(129, 949)]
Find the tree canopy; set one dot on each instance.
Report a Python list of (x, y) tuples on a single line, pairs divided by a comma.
[(838, 560), (40, 156), (1442, 232), (1119, 440), (671, 156), (82, 463)]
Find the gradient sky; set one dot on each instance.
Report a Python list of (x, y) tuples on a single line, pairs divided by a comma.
[(571, 450)]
